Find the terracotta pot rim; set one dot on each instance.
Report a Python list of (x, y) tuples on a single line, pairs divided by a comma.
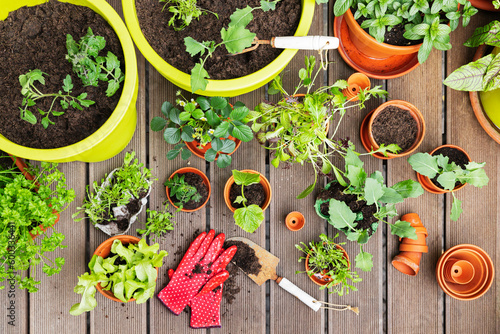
[(263, 180), (300, 221), (196, 171), (193, 147), (321, 282)]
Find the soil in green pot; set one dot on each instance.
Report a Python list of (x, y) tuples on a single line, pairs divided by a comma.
[(196, 181), (169, 44), (454, 155), (254, 193), (35, 38), (395, 126)]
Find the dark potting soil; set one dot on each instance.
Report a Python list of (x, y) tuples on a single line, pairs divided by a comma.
[(169, 44), (245, 257), (5, 161), (336, 191), (393, 36), (196, 181), (395, 126), (231, 288), (254, 194), (122, 224), (35, 38), (454, 155), (133, 206)]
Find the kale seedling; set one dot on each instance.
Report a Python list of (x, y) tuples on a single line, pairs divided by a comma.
[(157, 224), (449, 174), (184, 11), (89, 66), (249, 217), (182, 191), (32, 94)]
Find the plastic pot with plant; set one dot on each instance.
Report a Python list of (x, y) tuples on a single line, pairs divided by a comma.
[(295, 127), (448, 169), (208, 127), (188, 189), (115, 204), (123, 269), (31, 199), (357, 203), (328, 265)]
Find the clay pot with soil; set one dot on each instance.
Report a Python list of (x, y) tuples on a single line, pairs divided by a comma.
[(393, 122), (235, 75), (103, 128), (188, 189)]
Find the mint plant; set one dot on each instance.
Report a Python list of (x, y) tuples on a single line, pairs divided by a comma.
[(184, 11), (429, 21), (448, 174), (89, 66), (31, 94), (157, 224), (481, 75), (182, 191), (295, 128), (496, 4), (248, 217), (327, 259), (206, 121), (235, 38)]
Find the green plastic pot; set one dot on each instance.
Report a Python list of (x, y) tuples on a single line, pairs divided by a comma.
[(230, 87), (114, 135)]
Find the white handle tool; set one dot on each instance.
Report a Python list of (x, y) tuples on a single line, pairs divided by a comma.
[(305, 42), (299, 293)]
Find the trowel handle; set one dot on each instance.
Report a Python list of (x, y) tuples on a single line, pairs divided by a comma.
[(299, 293), (305, 42)]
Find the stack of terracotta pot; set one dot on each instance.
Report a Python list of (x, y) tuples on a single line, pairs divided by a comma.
[(465, 272)]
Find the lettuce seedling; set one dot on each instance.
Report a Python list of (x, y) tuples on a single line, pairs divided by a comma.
[(248, 217), (184, 11)]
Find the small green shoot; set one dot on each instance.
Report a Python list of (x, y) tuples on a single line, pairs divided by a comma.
[(248, 217), (157, 224), (184, 11)]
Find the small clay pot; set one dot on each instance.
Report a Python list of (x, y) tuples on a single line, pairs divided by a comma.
[(366, 134), (357, 82), (104, 249), (458, 271), (205, 182), (322, 279), (295, 221), (265, 183), (426, 182), (195, 148)]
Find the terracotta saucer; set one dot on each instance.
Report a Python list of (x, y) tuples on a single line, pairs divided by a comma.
[(484, 5), (377, 68), (363, 134)]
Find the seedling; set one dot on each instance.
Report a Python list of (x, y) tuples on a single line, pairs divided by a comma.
[(182, 191), (248, 217), (184, 11), (449, 174), (157, 224), (31, 94)]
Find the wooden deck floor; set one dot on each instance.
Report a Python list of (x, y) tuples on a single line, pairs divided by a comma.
[(388, 300)]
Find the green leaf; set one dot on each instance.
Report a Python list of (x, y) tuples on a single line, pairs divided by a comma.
[(424, 164), (203, 102), (193, 47), (237, 38), (218, 102), (408, 188), (165, 108), (67, 84), (489, 34), (356, 176), (470, 76), (212, 118), (352, 159), (185, 154), (172, 135), (187, 134), (341, 6), (373, 191), (391, 196), (364, 261), (456, 208), (224, 161), (222, 130), (403, 229), (267, 5), (243, 133), (239, 114), (425, 49), (306, 191), (199, 78), (228, 146), (341, 215), (241, 17), (198, 113), (158, 123), (174, 116), (477, 178), (245, 178), (447, 180), (210, 155), (249, 218)]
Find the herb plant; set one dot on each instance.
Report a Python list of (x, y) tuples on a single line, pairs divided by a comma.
[(449, 174), (496, 4), (31, 206), (248, 217), (481, 75), (184, 11), (207, 121), (372, 191), (89, 66), (183, 191), (134, 279), (235, 38), (31, 94), (327, 259), (157, 224), (295, 128), (422, 19)]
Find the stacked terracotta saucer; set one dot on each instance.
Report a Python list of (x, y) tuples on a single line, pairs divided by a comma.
[(465, 272)]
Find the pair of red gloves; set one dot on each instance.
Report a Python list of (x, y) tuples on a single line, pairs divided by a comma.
[(197, 282)]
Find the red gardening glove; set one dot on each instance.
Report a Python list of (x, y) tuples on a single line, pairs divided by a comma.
[(201, 261)]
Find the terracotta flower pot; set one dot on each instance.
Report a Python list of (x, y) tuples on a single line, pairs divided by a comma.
[(104, 249), (408, 260), (357, 82), (426, 182), (205, 182), (295, 221), (366, 134), (458, 271), (484, 5), (320, 278), (263, 181), (200, 151)]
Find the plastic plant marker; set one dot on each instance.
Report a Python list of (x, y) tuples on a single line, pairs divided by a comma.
[(458, 271), (295, 221)]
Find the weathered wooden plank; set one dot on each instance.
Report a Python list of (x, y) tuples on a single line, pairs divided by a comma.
[(478, 222), (415, 304)]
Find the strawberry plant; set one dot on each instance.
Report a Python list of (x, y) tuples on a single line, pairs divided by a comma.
[(449, 174), (182, 191), (89, 66), (31, 94), (184, 11), (248, 217)]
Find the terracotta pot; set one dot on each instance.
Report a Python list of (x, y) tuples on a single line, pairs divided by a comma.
[(195, 148), (366, 128), (477, 99), (205, 182), (357, 82), (263, 181), (295, 221), (408, 260), (458, 271), (103, 250), (426, 182), (322, 279), (484, 5)]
